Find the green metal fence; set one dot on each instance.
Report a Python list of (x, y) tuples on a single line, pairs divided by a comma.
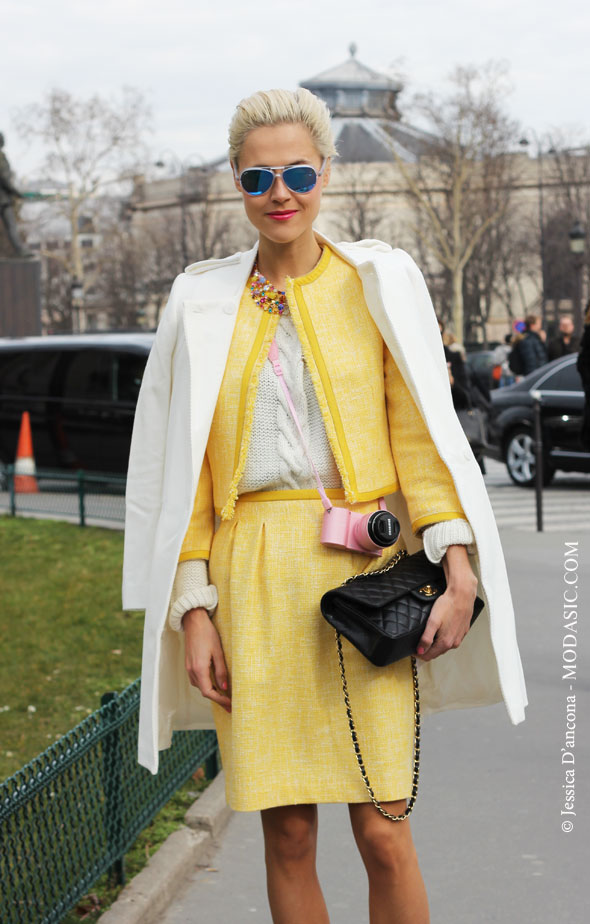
[(75, 496), (70, 814)]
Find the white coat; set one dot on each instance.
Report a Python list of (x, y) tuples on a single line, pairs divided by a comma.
[(174, 411)]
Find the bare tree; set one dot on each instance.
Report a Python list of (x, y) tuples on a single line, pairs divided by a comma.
[(464, 184), (569, 202), (505, 256), (55, 293), (209, 230), (90, 144), (361, 214)]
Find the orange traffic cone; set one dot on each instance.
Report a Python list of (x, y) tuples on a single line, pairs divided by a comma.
[(25, 481)]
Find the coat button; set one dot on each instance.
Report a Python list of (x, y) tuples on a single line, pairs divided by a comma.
[(229, 307)]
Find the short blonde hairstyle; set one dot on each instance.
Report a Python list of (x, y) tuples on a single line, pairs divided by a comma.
[(277, 107)]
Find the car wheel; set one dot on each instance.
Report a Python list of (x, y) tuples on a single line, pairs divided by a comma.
[(520, 459)]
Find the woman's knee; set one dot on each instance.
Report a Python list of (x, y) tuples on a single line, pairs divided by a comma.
[(290, 832), (384, 845)]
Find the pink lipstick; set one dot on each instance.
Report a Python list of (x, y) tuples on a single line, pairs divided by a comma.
[(282, 216)]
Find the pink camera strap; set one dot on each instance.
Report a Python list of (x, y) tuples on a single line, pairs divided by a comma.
[(273, 355)]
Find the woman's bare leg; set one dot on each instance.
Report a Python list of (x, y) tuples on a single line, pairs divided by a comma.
[(396, 889), (290, 842)]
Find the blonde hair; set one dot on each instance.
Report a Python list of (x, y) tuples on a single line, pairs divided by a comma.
[(278, 107)]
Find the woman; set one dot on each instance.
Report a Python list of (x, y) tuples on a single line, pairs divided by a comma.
[(232, 614), (533, 352)]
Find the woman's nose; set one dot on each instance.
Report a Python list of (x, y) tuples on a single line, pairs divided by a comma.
[(280, 191)]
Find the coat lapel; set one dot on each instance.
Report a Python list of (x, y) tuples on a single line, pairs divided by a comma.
[(208, 318)]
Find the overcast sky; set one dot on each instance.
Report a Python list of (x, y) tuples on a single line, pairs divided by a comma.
[(195, 60)]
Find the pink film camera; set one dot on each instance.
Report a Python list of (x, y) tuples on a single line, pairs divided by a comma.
[(362, 532)]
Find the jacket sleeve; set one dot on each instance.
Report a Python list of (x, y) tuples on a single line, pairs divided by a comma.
[(425, 480), (199, 534), (147, 455), (191, 585)]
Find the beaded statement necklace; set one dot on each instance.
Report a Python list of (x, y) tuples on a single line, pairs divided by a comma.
[(265, 295)]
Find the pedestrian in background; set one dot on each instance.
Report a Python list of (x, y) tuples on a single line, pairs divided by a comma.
[(500, 359), (565, 342), (458, 377), (528, 352), (234, 637), (583, 366)]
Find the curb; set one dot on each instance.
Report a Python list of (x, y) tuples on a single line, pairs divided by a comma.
[(145, 898)]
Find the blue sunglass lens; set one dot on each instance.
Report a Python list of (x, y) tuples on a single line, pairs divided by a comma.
[(256, 180), (300, 179)]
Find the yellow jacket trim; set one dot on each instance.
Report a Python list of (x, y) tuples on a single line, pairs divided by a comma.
[(325, 396), (266, 332), (246, 382), (310, 494), (195, 553), (436, 518)]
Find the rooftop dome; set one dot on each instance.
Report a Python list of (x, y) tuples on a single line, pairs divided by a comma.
[(366, 120)]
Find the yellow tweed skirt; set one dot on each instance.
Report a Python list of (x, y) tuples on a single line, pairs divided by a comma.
[(287, 740)]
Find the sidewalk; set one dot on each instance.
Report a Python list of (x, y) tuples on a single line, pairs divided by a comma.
[(487, 822)]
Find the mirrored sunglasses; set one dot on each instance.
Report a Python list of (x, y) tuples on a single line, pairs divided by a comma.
[(300, 178)]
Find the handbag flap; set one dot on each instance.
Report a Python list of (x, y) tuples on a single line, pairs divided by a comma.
[(414, 574)]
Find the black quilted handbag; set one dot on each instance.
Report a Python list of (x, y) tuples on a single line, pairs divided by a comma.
[(384, 613)]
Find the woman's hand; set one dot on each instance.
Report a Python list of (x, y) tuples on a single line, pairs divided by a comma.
[(451, 614), (204, 658)]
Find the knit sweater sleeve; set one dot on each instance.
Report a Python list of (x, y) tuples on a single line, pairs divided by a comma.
[(191, 588), (439, 536)]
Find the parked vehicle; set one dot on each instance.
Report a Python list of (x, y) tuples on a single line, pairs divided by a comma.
[(80, 391), (511, 423)]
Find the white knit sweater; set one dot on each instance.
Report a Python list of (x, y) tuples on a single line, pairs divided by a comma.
[(276, 461)]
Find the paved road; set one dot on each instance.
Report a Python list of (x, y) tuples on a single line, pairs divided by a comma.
[(487, 823), (566, 502)]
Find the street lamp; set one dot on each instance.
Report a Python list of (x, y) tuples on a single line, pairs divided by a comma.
[(76, 296), (577, 238)]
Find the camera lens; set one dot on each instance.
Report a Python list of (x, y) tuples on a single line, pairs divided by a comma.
[(383, 528)]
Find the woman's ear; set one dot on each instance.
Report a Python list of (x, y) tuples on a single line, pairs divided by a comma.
[(234, 170), (326, 173)]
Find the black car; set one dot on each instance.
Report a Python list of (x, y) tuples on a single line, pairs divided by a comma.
[(80, 391), (511, 427)]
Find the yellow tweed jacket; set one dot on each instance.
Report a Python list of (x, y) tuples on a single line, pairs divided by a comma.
[(377, 434)]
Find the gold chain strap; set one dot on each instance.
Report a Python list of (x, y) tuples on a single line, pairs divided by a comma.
[(401, 554)]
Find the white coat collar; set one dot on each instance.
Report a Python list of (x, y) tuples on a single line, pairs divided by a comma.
[(354, 253)]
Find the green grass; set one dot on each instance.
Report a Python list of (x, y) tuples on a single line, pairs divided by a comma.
[(64, 639)]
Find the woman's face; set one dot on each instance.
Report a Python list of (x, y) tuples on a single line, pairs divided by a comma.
[(278, 146)]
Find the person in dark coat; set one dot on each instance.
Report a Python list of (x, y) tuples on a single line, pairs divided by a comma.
[(532, 349), (583, 366), (457, 374), (565, 342), (466, 391)]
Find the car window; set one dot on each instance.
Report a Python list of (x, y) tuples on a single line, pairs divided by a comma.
[(129, 373), (90, 375), (566, 378), (27, 372)]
